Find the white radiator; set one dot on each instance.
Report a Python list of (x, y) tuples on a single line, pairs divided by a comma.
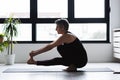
[(116, 43)]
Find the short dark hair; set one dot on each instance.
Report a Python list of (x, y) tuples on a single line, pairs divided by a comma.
[(63, 22)]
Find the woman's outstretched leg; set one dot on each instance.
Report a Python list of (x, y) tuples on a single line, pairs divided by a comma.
[(54, 61)]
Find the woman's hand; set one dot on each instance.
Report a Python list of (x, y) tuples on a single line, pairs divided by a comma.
[(31, 60), (32, 53)]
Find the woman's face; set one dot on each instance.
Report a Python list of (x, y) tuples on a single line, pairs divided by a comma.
[(59, 29)]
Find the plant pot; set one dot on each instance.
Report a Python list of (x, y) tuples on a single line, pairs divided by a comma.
[(1, 39), (10, 59)]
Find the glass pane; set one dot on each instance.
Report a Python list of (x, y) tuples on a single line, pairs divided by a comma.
[(19, 8), (90, 31), (89, 8), (1, 28), (24, 32), (46, 32), (52, 8), (87, 32)]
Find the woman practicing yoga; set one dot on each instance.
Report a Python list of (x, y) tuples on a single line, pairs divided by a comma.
[(73, 53)]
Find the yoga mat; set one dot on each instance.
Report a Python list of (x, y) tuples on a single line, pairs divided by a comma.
[(33, 70), (116, 73)]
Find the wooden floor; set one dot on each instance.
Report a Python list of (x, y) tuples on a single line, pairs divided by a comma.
[(51, 73)]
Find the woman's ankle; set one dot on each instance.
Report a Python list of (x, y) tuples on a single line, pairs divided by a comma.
[(71, 68)]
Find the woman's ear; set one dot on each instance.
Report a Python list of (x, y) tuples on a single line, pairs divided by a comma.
[(62, 27)]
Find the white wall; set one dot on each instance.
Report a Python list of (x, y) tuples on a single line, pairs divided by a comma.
[(97, 52)]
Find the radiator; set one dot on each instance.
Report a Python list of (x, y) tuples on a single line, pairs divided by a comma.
[(116, 43)]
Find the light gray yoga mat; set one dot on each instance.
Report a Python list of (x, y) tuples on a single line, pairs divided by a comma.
[(33, 70)]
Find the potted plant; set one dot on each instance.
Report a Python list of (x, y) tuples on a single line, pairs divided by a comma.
[(10, 31)]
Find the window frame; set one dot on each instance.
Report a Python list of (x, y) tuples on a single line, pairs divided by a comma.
[(33, 20)]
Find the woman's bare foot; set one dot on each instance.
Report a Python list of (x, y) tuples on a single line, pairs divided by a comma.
[(71, 68), (31, 61)]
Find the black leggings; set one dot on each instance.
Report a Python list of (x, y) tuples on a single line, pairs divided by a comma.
[(54, 61), (58, 61)]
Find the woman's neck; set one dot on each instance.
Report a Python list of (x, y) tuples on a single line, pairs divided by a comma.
[(65, 32)]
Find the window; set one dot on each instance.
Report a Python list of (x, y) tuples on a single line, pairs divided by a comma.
[(89, 9), (89, 19), (89, 31), (24, 33), (46, 31), (1, 28), (20, 8), (58, 9)]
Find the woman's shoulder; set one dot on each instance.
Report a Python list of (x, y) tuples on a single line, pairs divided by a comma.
[(69, 37), (71, 34)]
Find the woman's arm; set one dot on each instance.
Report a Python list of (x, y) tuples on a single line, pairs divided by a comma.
[(48, 47)]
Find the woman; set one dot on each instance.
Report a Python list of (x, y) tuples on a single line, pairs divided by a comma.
[(72, 52)]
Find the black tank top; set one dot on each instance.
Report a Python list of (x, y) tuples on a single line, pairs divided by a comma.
[(73, 51)]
